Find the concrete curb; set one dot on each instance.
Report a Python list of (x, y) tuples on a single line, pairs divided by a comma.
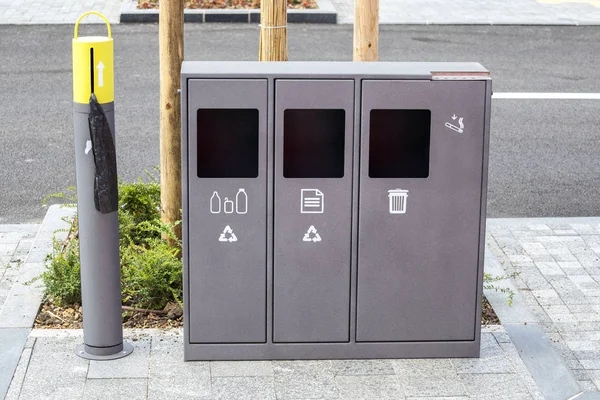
[(325, 14), (24, 299)]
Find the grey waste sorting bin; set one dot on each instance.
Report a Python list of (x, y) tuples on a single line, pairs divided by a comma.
[(333, 209)]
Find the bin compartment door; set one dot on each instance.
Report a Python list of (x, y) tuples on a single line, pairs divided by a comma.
[(419, 212), (227, 210), (313, 197)]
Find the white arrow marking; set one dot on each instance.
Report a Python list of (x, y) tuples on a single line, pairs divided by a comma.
[(100, 68), (454, 116)]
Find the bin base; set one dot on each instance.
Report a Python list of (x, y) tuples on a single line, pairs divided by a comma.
[(125, 350)]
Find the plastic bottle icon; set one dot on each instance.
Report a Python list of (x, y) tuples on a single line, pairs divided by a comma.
[(215, 203), (241, 202), (228, 206)]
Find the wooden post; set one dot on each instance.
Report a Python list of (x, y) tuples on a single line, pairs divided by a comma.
[(170, 33), (273, 31), (366, 30)]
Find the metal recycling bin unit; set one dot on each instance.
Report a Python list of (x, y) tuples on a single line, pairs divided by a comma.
[(333, 209)]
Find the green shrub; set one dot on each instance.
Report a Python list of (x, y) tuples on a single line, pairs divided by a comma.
[(151, 276), (62, 279), (150, 268)]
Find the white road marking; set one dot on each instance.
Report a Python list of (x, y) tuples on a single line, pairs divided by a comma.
[(546, 96)]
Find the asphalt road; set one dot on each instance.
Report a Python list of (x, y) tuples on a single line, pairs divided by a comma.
[(544, 154)]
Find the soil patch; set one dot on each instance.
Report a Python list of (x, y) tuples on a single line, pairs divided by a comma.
[(55, 317), (227, 4)]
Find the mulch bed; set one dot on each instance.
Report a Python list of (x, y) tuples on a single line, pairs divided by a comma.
[(488, 316), (55, 317), (232, 4)]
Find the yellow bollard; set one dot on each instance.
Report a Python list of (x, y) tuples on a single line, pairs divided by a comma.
[(93, 66)]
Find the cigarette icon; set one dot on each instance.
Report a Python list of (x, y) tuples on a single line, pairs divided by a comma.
[(456, 128)]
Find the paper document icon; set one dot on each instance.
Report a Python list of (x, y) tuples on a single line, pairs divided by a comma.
[(312, 201)]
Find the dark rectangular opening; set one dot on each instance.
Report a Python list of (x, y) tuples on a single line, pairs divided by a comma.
[(227, 143), (313, 143), (399, 143)]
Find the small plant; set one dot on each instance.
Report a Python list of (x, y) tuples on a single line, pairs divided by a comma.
[(150, 269), (489, 283), (62, 279)]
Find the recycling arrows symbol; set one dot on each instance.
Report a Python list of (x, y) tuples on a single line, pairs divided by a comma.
[(228, 235), (315, 235)]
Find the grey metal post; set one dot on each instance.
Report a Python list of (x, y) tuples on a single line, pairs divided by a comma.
[(98, 233)]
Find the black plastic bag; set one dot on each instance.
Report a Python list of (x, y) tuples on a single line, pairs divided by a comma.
[(105, 159)]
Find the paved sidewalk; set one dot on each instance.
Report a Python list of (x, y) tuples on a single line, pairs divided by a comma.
[(155, 370), (558, 266), (23, 249), (24, 12), (518, 12), (494, 12), (548, 346)]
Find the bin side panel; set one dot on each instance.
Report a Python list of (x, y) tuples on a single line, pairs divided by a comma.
[(227, 226), (311, 269), (418, 257)]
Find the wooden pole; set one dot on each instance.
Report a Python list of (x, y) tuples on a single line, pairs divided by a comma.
[(366, 30), (170, 33), (273, 31)]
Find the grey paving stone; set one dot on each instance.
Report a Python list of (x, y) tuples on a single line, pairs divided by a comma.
[(557, 309), (502, 337), (54, 371), (587, 354), (241, 368), (590, 364), (304, 380), (101, 389), (171, 377), (573, 364), (19, 375), (492, 359), (438, 398), (22, 303), (362, 367), (243, 388), (432, 386), (543, 361), (567, 317), (495, 386), (134, 365), (587, 317), (595, 377), (422, 368), (369, 387), (549, 268), (590, 326), (521, 369), (561, 254), (520, 258), (12, 341)]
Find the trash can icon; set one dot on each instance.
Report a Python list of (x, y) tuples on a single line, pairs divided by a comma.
[(398, 199)]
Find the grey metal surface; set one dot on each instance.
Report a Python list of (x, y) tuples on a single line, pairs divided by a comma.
[(311, 278), (301, 295), (418, 271), (227, 279), (83, 351), (98, 248), (331, 69)]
